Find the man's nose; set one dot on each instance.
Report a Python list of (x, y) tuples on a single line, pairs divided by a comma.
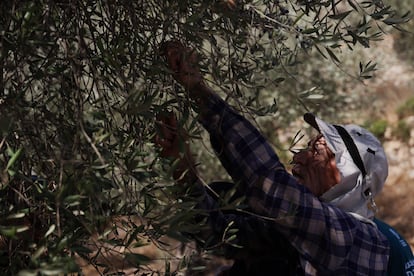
[(302, 156)]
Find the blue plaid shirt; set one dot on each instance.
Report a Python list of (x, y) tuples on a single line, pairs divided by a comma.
[(329, 240)]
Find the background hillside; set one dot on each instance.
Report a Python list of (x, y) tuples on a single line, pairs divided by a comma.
[(394, 89)]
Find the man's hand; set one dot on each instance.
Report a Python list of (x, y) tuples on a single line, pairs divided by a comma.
[(168, 137), (174, 145), (183, 62)]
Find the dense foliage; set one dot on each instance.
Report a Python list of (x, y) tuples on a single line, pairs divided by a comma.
[(82, 81)]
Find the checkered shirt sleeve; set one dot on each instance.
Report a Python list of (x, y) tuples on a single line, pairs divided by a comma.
[(328, 239)]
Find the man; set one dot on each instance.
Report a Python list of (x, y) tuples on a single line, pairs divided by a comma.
[(321, 210)]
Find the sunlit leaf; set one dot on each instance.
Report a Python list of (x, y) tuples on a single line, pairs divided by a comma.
[(13, 158), (50, 230)]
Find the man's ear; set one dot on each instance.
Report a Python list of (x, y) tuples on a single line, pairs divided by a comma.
[(334, 169)]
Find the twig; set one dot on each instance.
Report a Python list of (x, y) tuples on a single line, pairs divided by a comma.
[(2, 142), (59, 230), (101, 159)]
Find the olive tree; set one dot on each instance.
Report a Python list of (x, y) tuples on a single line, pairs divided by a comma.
[(82, 82)]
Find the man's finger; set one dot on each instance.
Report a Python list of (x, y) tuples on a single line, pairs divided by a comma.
[(167, 125), (162, 142), (171, 120), (173, 51), (166, 131)]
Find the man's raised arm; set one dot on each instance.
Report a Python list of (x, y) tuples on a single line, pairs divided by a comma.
[(244, 152)]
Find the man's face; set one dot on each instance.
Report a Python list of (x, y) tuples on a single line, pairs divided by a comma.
[(315, 166)]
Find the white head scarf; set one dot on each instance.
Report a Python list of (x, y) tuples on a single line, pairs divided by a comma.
[(360, 181)]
